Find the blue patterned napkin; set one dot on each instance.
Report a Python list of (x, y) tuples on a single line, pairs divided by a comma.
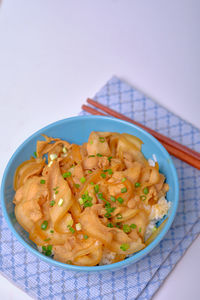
[(138, 281)]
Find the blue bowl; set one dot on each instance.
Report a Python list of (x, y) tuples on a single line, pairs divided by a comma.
[(77, 130)]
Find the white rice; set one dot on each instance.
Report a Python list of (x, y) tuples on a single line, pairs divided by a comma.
[(149, 230), (107, 257), (160, 209)]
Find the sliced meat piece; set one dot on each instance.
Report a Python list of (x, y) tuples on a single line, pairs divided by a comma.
[(83, 150), (115, 189), (26, 170), (133, 173), (90, 163), (103, 162), (117, 164), (31, 190), (128, 156), (77, 173), (97, 144), (132, 203), (27, 213)]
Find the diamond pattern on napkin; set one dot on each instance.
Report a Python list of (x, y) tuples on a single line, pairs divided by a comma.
[(138, 281)]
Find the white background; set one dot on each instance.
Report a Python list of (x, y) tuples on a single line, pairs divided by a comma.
[(54, 54)]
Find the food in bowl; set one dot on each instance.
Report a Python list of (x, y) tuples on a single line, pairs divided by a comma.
[(93, 204)]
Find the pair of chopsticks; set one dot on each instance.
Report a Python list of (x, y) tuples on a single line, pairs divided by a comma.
[(180, 151)]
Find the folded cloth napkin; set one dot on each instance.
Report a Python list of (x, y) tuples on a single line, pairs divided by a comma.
[(142, 279)]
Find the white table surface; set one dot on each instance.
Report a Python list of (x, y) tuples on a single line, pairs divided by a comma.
[(54, 54)]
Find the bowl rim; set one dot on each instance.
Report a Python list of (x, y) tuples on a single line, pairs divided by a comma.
[(111, 267)]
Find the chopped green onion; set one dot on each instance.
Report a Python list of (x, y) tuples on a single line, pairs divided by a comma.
[(92, 183), (56, 192), (96, 188), (87, 204), (71, 228), (118, 225), (126, 228), (112, 198), (47, 250), (103, 175), (119, 216), (78, 226), (91, 156), (110, 172), (83, 179), (137, 184), (91, 142), (123, 179), (146, 190), (55, 188), (133, 226), (52, 231), (110, 209), (67, 174), (42, 181), (99, 155), (100, 195), (120, 200), (85, 236), (84, 195), (77, 185), (89, 172), (107, 215), (101, 139), (53, 156), (64, 149), (140, 229), (124, 190), (143, 197), (35, 154), (81, 201), (109, 158), (52, 203), (124, 247), (60, 202), (110, 225), (107, 204), (49, 164), (154, 229), (44, 225), (87, 200), (46, 240)]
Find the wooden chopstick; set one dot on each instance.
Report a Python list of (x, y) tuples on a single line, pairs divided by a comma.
[(159, 136), (192, 158)]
